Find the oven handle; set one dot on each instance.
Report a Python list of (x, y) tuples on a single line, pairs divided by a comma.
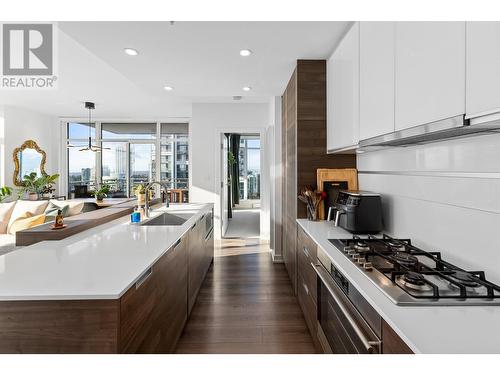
[(369, 345)]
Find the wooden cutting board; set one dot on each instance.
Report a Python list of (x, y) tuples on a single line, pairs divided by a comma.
[(342, 177)]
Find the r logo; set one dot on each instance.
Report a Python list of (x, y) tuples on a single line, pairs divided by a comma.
[(27, 49)]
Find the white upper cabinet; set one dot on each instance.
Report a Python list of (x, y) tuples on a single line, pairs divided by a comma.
[(430, 72), (483, 68), (376, 78), (343, 93)]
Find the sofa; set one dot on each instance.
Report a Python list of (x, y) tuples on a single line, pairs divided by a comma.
[(24, 214)]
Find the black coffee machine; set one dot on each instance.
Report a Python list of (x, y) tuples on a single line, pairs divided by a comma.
[(357, 211)]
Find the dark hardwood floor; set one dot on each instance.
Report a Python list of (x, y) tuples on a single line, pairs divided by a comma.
[(246, 305)]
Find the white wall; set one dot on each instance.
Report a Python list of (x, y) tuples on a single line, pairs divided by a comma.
[(207, 122), (20, 125), (445, 196)]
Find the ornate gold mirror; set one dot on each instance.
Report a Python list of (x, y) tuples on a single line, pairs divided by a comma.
[(27, 159)]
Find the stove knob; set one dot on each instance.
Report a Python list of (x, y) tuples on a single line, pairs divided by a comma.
[(368, 266), (358, 258), (361, 261)]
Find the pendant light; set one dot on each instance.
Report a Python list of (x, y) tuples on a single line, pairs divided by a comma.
[(90, 147)]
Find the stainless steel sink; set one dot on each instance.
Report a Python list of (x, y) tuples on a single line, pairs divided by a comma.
[(168, 219)]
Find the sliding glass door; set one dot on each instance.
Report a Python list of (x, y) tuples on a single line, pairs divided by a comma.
[(115, 168), (142, 164)]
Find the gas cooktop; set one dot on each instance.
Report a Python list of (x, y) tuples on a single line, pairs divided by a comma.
[(411, 276)]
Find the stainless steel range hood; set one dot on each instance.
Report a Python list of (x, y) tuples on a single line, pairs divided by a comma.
[(434, 131)]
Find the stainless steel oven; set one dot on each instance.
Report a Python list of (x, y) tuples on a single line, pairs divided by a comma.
[(347, 322)]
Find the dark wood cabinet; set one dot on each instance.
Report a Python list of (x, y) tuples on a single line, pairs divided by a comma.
[(153, 311), (303, 148), (200, 256), (391, 342), (209, 248), (172, 309), (307, 285), (306, 256)]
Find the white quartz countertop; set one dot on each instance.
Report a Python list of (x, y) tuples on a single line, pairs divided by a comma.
[(425, 329), (99, 263)]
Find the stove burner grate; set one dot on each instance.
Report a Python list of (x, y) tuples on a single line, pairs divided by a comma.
[(465, 278), (415, 280), (405, 259), (410, 269)]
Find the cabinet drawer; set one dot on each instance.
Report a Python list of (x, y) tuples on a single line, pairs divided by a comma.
[(136, 313), (309, 309), (152, 312), (196, 262), (307, 254)]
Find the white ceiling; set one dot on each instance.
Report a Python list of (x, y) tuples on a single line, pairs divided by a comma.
[(199, 59)]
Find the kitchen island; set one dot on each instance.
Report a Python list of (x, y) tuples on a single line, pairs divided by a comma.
[(116, 288)]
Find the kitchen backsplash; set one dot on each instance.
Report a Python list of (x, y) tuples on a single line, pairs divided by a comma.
[(445, 196)]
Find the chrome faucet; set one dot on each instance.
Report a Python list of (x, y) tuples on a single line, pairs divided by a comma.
[(149, 186)]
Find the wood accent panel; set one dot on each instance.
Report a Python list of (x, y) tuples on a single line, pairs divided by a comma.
[(75, 224), (392, 343), (54, 327), (303, 148), (290, 184), (350, 175), (245, 305)]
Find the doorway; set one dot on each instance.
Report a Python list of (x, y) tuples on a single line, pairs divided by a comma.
[(241, 175)]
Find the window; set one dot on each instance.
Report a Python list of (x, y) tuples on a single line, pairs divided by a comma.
[(142, 164), (114, 167), (81, 164), (174, 155), (249, 165), (130, 157), (127, 132)]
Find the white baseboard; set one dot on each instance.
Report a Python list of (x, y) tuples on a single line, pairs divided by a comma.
[(277, 258)]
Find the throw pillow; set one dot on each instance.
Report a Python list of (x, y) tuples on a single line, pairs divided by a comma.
[(75, 207), (51, 211), (5, 213), (26, 221), (22, 206)]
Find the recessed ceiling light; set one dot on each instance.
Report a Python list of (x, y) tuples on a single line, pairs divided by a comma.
[(131, 51), (168, 88), (245, 52), (247, 88)]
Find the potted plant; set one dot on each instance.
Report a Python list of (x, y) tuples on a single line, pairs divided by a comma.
[(34, 186), (31, 186), (46, 182), (140, 193), (101, 193), (5, 192)]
